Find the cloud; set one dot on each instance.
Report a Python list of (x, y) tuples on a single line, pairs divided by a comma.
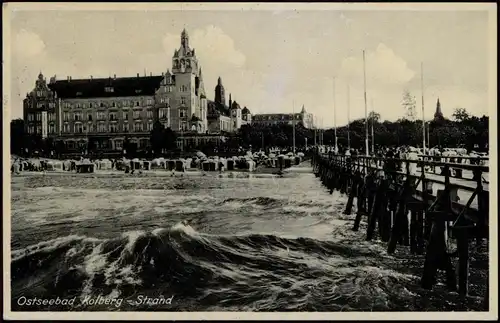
[(383, 68), (27, 44)]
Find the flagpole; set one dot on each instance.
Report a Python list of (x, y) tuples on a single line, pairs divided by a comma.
[(373, 121), (335, 117), (348, 116), (293, 125), (423, 115), (366, 107)]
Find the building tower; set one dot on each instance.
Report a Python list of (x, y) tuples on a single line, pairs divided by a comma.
[(220, 95), (230, 101), (188, 97), (438, 115)]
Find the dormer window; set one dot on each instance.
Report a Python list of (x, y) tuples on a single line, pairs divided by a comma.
[(78, 93), (138, 91), (109, 89)]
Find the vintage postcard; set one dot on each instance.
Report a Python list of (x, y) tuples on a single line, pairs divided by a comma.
[(249, 161)]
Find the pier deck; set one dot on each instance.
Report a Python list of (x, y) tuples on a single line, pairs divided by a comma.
[(408, 204)]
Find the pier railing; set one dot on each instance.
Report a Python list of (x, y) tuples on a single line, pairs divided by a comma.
[(388, 189)]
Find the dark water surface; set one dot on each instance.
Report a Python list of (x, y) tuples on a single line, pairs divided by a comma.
[(254, 243)]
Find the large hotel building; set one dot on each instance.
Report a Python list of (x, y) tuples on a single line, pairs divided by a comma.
[(107, 110)]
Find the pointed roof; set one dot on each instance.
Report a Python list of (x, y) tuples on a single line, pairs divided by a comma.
[(303, 109), (438, 112)]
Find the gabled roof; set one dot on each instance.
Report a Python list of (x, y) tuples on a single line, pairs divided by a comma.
[(96, 88)]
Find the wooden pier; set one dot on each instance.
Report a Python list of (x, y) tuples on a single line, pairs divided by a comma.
[(442, 204)]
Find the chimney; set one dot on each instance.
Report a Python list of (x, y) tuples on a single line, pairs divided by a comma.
[(162, 74), (150, 73), (91, 77), (69, 78), (114, 76), (137, 74)]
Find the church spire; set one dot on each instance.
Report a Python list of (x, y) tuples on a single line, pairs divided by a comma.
[(438, 115), (184, 39)]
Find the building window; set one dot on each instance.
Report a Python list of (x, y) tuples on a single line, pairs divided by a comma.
[(183, 100), (138, 127), (90, 127), (125, 127), (162, 100), (109, 89), (113, 104), (163, 113), (101, 127), (184, 88), (112, 116), (31, 117), (78, 127), (78, 106), (38, 117), (181, 113), (52, 128), (91, 105), (31, 129), (101, 115), (66, 128), (150, 114), (38, 130), (89, 116), (150, 102), (52, 117), (113, 127), (125, 115), (137, 114), (101, 105), (118, 144), (150, 126), (78, 116), (137, 103)]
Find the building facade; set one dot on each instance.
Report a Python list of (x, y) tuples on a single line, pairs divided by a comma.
[(103, 112), (226, 118), (303, 117)]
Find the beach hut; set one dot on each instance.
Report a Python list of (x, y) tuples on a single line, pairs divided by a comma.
[(287, 162), (171, 165), (85, 166), (180, 165), (250, 165), (135, 164), (54, 165), (213, 165), (104, 164), (230, 164)]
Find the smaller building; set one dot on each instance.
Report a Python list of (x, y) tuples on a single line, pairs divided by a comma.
[(303, 117), (223, 118)]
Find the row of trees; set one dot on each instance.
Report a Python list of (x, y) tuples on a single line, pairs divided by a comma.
[(464, 130)]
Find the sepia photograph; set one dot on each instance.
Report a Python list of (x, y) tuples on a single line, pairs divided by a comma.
[(327, 159)]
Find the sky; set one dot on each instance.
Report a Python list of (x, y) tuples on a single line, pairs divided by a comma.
[(271, 61)]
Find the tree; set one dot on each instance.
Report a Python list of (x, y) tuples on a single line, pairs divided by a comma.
[(17, 136), (157, 137), (169, 139), (409, 104), (460, 115), (373, 116)]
